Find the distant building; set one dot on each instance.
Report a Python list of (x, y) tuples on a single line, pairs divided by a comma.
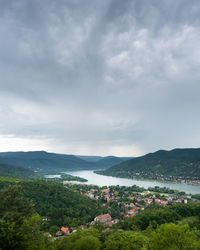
[(65, 230), (149, 201), (105, 191), (90, 195), (164, 203), (59, 233), (172, 196), (157, 201), (103, 218), (131, 212), (45, 219), (107, 197)]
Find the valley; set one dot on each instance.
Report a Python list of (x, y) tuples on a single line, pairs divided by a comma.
[(69, 201)]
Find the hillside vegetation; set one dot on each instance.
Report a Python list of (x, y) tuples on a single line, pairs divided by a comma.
[(177, 162), (173, 227), (61, 205), (42, 161), (15, 171)]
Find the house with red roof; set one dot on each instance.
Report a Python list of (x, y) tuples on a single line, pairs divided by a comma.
[(131, 212), (65, 230), (105, 191), (103, 218), (157, 201)]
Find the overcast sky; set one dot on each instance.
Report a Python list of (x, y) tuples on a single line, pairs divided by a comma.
[(99, 77)]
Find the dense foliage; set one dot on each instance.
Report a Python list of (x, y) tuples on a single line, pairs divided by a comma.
[(178, 162), (157, 215), (165, 190), (42, 161), (20, 226), (171, 236), (61, 205), (15, 171), (67, 177)]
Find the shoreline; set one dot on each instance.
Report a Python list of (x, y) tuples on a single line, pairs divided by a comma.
[(147, 179)]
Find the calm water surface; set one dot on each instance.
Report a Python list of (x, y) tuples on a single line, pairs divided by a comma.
[(102, 180)]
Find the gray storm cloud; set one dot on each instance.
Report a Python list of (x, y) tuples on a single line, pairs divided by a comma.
[(99, 77)]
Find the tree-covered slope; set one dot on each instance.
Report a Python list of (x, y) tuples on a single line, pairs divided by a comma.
[(177, 162), (61, 205), (51, 162), (20, 228), (15, 171), (38, 160), (109, 161)]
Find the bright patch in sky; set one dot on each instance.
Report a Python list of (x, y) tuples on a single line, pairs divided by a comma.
[(99, 77)]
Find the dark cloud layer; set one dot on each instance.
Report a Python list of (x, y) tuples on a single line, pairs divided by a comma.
[(99, 77)]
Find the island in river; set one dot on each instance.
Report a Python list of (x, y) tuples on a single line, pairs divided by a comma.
[(65, 177)]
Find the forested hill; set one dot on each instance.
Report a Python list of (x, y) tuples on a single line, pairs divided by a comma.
[(37, 160), (109, 161), (61, 205), (177, 162), (41, 160), (15, 171)]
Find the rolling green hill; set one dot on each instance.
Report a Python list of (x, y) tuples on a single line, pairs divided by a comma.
[(41, 160), (109, 161), (53, 163), (174, 163), (15, 171), (61, 205)]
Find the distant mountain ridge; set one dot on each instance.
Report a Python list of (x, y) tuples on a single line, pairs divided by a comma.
[(52, 162), (37, 160), (177, 162), (96, 158), (110, 161), (90, 158)]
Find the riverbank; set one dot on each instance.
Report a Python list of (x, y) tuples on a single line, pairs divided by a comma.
[(163, 180), (102, 180)]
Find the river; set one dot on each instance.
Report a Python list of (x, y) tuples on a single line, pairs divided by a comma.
[(102, 180)]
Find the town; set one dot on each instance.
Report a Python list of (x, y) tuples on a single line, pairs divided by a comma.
[(155, 176), (122, 202)]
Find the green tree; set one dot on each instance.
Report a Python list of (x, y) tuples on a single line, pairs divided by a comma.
[(19, 226), (87, 243), (53, 230), (13, 206), (126, 241), (79, 239), (174, 237)]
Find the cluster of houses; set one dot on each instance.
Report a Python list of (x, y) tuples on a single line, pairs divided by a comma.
[(105, 219), (137, 202), (109, 196), (181, 179)]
